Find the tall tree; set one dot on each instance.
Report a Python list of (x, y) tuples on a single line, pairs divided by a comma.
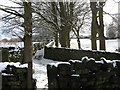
[(101, 26), (13, 19), (81, 20), (59, 12), (54, 12), (60, 17), (65, 14), (28, 40), (97, 25), (94, 24), (27, 16)]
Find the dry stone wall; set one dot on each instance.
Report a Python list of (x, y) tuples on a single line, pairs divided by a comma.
[(64, 54), (84, 75), (15, 78)]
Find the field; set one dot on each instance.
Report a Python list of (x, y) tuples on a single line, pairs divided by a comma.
[(111, 45)]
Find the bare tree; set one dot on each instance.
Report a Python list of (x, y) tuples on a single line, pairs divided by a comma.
[(28, 40), (81, 19), (94, 25), (61, 17), (27, 16), (97, 25), (13, 20), (101, 26), (54, 14)]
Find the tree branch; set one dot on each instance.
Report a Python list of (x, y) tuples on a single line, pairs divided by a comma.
[(48, 21), (10, 11)]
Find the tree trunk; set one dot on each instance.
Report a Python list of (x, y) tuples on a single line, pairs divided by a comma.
[(66, 13), (93, 25), (62, 33), (68, 39), (54, 12), (101, 27), (56, 39), (69, 17), (78, 39), (62, 37), (28, 41)]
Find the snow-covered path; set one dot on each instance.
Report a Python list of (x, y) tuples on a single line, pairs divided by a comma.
[(40, 70), (40, 74)]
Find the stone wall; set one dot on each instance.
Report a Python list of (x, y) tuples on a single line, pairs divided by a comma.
[(63, 54), (84, 75), (4, 54), (15, 78), (11, 54)]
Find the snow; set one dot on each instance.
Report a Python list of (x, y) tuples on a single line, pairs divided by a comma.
[(12, 44), (4, 74), (4, 64), (40, 69), (50, 44), (111, 45), (40, 74), (76, 75), (56, 64)]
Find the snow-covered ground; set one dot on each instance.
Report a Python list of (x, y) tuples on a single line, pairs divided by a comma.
[(40, 63), (40, 69), (40, 74), (111, 45)]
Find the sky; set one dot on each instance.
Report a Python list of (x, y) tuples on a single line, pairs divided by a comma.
[(111, 7)]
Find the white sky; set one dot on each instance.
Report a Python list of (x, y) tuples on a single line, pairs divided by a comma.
[(112, 8)]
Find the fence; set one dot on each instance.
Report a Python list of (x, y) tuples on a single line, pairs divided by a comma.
[(84, 75), (63, 54)]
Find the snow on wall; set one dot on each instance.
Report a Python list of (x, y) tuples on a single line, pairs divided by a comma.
[(4, 64)]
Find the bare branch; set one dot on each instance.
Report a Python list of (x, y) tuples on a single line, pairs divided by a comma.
[(11, 7), (10, 11), (111, 15), (48, 21)]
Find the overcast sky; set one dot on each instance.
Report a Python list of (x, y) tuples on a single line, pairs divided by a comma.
[(111, 7)]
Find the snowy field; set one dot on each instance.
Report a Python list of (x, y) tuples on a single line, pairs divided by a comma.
[(40, 63), (111, 45)]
